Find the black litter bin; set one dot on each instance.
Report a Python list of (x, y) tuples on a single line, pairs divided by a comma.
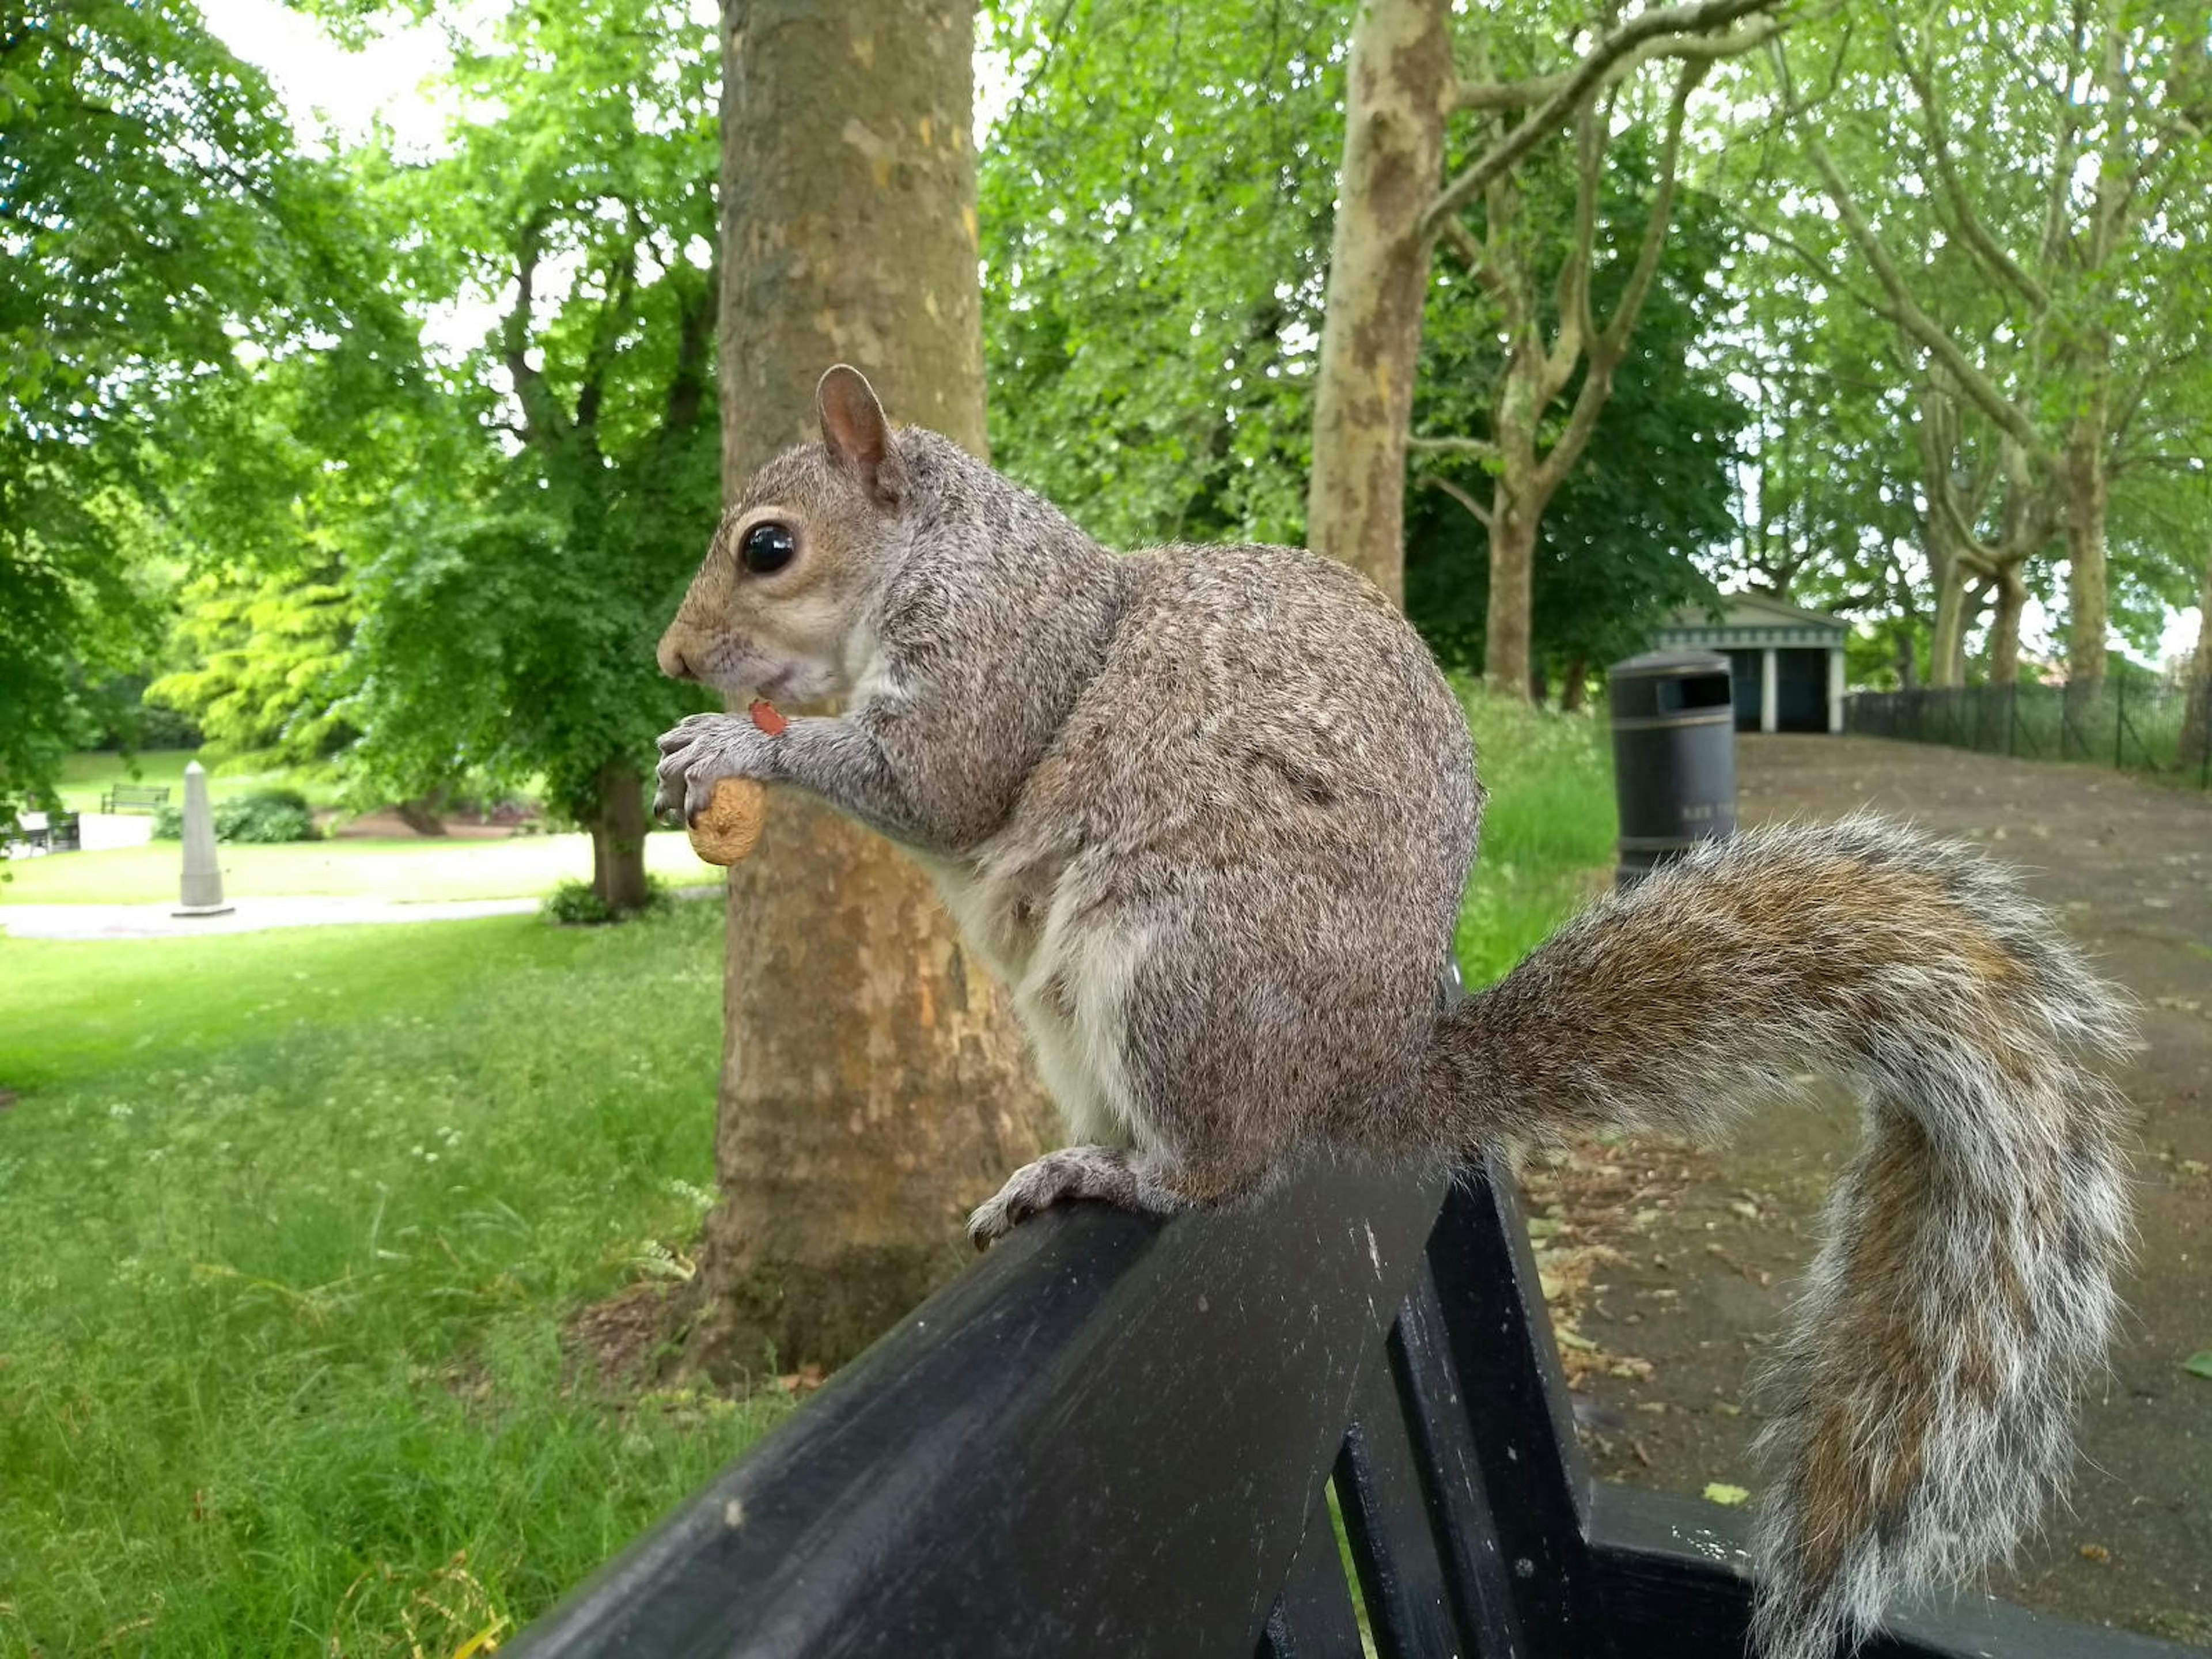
[(1674, 755)]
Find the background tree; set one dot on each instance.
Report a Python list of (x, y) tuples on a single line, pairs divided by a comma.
[(2041, 150), (1401, 91), (1156, 209), (512, 605), (874, 1085), (1620, 542), (161, 239)]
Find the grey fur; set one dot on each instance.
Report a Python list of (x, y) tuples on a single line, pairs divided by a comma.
[(1210, 812)]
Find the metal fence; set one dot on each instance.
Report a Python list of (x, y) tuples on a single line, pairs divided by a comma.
[(2160, 729)]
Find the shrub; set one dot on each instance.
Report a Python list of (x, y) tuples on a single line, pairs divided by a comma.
[(574, 904), (265, 816)]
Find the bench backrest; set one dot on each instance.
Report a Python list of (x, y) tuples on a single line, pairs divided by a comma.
[(1116, 1436), (135, 794)]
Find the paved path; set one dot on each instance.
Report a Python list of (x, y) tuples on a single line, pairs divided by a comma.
[(1709, 1242), (250, 915)]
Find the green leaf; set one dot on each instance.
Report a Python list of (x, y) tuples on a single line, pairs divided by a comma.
[(2199, 1364), (1719, 1491)]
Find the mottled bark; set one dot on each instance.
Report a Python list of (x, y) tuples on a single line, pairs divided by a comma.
[(1397, 86), (1506, 668), (2004, 631), (618, 827), (874, 1087)]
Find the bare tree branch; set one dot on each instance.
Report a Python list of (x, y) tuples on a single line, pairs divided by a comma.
[(1607, 347), (1699, 18), (1481, 448), (1481, 512), (1520, 94)]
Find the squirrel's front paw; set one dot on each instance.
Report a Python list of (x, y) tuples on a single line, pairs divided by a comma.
[(699, 753)]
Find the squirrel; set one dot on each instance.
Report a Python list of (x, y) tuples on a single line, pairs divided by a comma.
[(1210, 811)]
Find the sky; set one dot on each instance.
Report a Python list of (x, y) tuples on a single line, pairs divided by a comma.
[(323, 84)]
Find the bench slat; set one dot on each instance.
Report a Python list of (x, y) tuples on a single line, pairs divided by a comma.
[(1313, 1618)]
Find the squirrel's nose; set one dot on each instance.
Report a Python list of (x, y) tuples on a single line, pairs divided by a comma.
[(674, 663)]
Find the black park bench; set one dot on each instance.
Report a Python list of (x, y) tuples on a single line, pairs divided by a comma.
[(1118, 1436), (135, 798)]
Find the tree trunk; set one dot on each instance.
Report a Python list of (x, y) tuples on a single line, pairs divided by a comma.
[(2197, 719), (2090, 608), (618, 828), (2004, 632), (1395, 86), (1947, 648), (1908, 667), (1505, 664), (874, 1087), (1574, 685), (421, 814)]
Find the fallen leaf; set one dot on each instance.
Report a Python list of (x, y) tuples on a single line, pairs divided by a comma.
[(2095, 1553), (2199, 1364), (1719, 1491)]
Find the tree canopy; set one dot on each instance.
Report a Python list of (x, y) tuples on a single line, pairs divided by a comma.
[(1906, 323)]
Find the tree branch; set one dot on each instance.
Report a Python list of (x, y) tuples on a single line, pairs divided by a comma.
[(1917, 322), (1699, 18), (1607, 347), (1971, 230), (1480, 448), (542, 419), (1481, 512), (1520, 94)]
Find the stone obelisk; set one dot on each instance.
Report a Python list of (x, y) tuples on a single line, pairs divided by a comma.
[(202, 885)]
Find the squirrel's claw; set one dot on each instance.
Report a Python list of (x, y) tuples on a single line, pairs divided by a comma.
[(698, 754)]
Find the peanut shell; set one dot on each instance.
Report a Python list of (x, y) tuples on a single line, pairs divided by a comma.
[(730, 827)]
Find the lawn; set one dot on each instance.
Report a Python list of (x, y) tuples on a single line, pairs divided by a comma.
[(407, 869), (296, 1221), (87, 776), (1548, 832)]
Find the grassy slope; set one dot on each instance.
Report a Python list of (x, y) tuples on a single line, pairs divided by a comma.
[(279, 1309), (413, 869), (86, 776), (295, 1218), (1548, 832)]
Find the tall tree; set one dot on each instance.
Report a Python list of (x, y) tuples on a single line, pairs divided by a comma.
[(874, 1085), (2042, 155), (511, 613), (160, 237), (1394, 205)]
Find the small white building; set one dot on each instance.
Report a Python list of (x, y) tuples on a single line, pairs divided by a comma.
[(1787, 663)]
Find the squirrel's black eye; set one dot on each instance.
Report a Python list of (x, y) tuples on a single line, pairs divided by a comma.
[(768, 547)]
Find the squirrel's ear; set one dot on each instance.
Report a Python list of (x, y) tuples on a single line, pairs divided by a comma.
[(858, 435)]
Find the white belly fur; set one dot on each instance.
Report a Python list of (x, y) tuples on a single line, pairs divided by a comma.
[(1079, 1035)]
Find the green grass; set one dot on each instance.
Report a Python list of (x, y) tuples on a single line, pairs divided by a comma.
[(87, 776), (409, 869), (295, 1220), (293, 1223), (1548, 830)]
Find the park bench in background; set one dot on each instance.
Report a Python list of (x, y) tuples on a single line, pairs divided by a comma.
[(1113, 1437), (135, 798), (43, 832)]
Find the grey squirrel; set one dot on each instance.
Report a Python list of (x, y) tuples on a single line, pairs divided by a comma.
[(1210, 812)]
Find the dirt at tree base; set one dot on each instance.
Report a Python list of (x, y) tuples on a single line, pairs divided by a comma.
[(1672, 1266)]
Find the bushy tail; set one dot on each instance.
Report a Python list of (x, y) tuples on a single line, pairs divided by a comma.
[(1920, 1407)]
